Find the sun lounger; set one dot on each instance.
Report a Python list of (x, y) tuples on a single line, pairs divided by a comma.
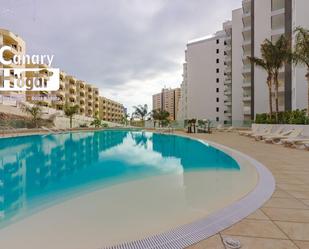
[(220, 127), (306, 144), (277, 132), (294, 142), (294, 133), (263, 131), (248, 133), (230, 129)]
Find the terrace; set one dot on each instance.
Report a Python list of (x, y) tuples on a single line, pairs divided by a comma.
[(283, 221)]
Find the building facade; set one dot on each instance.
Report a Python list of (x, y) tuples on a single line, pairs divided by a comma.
[(72, 91), (110, 110), (18, 47), (245, 89), (167, 100), (204, 74)]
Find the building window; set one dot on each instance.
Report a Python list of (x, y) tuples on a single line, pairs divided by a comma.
[(217, 51), (217, 99), (217, 70), (217, 60), (217, 41), (217, 109), (217, 80), (217, 90), (217, 119)]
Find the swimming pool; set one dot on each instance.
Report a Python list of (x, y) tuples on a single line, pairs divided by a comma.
[(110, 187)]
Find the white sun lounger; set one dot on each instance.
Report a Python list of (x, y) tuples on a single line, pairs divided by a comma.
[(294, 133), (248, 133), (277, 132), (294, 142), (264, 131)]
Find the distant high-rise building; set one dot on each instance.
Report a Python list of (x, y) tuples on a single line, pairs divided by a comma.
[(167, 100)]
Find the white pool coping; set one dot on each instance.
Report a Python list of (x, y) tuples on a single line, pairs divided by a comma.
[(189, 234)]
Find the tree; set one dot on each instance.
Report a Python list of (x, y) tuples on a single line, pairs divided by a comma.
[(155, 116), (301, 52), (70, 111), (266, 63), (125, 118), (141, 111), (160, 115), (163, 117), (281, 54), (96, 122), (34, 111)]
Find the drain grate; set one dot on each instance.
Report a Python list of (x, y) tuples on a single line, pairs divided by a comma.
[(231, 243)]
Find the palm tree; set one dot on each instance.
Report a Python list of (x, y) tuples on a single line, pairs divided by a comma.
[(70, 111), (160, 115), (34, 111), (141, 111), (155, 114), (281, 54), (266, 63), (163, 116), (97, 122), (301, 52), (125, 118)]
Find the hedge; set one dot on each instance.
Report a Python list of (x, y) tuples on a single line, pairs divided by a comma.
[(289, 117)]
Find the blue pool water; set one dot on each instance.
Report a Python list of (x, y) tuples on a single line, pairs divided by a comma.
[(39, 171)]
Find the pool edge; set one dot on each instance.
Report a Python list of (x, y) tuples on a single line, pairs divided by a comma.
[(192, 233)]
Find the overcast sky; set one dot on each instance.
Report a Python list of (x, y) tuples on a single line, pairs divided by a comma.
[(130, 49)]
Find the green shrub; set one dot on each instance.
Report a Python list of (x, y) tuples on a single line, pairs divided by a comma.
[(289, 117)]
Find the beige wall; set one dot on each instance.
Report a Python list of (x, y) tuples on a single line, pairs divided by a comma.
[(110, 110), (167, 100)]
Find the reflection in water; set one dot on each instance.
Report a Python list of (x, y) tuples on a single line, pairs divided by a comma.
[(35, 170)]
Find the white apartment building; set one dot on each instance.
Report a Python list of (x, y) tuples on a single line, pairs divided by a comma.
[(245, 89), (204, 71), (264, 19)]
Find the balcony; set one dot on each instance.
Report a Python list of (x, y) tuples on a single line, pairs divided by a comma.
[(228, 113), (227, 59), (246, 29), (277, 5), (247, 110), (278, 22), (246, 85), (227, 82), (228, 70), (246, 97), (246, 69), (227, 102), (81, 101), (246, 43)]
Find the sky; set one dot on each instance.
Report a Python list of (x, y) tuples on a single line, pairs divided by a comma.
[(130, 49)]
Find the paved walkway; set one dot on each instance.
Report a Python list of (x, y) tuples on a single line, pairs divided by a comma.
[(283, 222)]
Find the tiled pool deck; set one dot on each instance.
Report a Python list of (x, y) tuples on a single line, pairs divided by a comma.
[(283, 222)]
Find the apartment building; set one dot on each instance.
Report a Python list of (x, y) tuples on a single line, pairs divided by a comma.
[(262, 20), (167, 100), (110, 110), (18, 47), (227, 27), (245, 92), (72, 91), (204, 75)]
